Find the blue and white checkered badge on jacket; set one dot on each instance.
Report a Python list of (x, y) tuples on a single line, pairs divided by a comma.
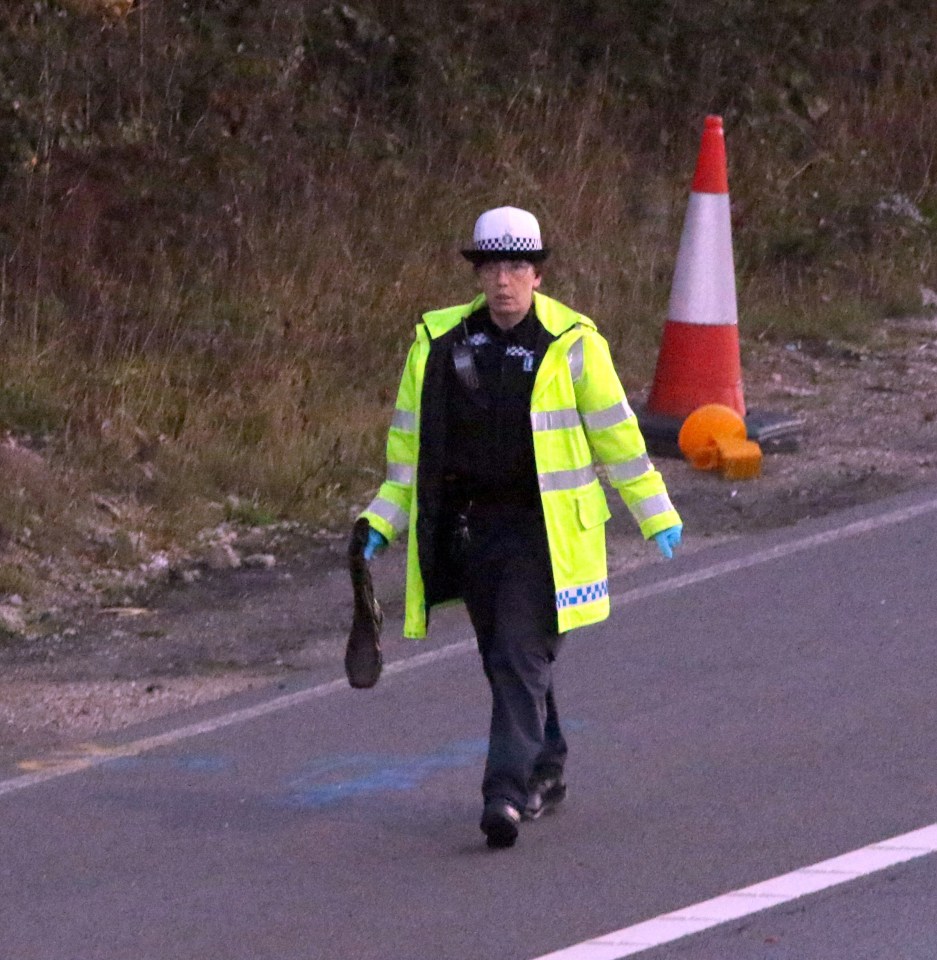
[(526, 355)]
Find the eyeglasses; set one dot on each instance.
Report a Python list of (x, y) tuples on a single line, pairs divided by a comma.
[(491, 268)]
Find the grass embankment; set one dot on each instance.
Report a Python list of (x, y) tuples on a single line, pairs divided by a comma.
[(220, 222)]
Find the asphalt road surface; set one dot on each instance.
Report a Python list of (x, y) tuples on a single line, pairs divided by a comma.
[(746, 713)]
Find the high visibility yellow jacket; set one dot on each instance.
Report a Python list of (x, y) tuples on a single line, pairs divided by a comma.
[(578, 414)]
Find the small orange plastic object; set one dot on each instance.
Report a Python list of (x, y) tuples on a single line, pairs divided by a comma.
[(739, 459), (701, 429)]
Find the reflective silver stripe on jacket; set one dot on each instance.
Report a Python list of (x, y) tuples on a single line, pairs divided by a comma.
[(390, 512), (566, 479), (400, 473), (629, 469), (555, 419), (404, 420), (618, 413), (651, 507), (575, 358)]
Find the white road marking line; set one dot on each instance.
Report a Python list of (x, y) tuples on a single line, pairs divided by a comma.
[(97, 756), (691, 920), (854, 529)]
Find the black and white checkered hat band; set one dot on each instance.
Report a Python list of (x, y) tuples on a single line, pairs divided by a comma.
[(508, 244)]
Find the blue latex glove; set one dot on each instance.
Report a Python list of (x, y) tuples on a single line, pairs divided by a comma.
[(376, 543), (668, 539)]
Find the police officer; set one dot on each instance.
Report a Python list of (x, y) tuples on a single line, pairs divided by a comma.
[(502, 406)]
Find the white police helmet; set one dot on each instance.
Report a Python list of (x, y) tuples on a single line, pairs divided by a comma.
[(506, 233)]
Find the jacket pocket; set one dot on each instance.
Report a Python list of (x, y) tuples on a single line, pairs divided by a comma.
[(591, 507)]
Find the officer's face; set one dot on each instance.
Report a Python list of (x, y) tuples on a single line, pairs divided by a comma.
[(509, 287)]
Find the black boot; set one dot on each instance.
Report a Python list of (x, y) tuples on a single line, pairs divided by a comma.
[(545, 794), (499, 823)]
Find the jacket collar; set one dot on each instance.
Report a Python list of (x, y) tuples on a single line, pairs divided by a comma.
[(559, 320), (439, 322), (555, 316)]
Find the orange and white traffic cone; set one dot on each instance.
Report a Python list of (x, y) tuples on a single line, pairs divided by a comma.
[(699, 359)]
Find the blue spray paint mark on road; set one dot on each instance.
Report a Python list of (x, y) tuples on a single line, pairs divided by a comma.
[(333, 779)]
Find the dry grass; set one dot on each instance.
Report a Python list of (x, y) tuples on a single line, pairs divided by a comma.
[(249, 347), (108, 9)]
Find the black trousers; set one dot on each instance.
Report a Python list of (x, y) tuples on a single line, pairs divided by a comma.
[(507, 585)]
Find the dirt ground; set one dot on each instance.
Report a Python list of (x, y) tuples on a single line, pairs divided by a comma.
[(870, 431)]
